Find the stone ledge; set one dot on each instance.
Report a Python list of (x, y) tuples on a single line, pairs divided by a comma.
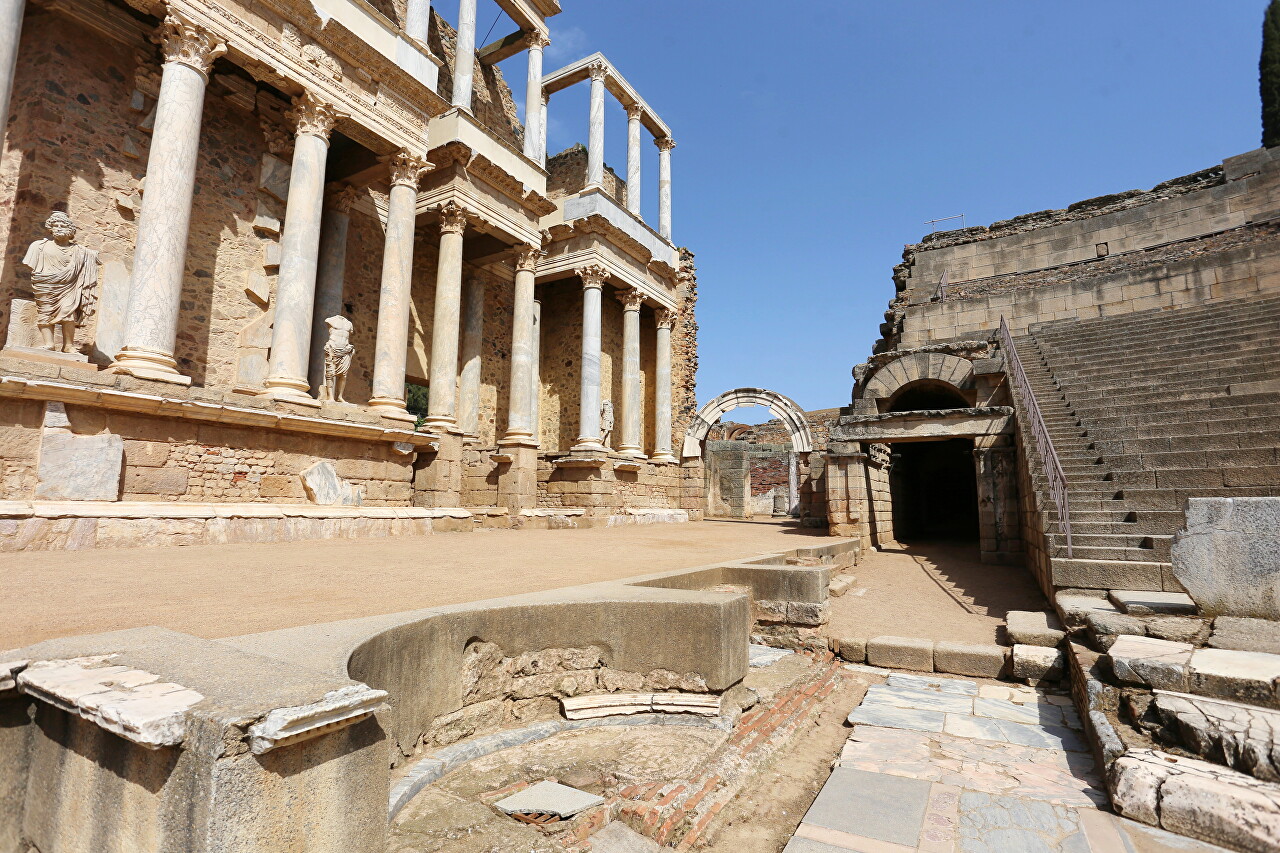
[(129, 510)]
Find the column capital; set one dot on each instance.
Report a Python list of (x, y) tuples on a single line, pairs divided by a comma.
[(665, 143), (311, 116), (635, 112), (453, 218), (598, 70), (631, 299), (666, 318), (407, 168), (183, 42), (279, 140), (593, 276), (341, 197), (535, 40), (527, 257)]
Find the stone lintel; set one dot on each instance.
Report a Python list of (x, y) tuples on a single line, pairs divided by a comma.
[(923, 425)]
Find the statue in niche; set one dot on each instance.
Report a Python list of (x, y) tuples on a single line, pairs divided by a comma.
[(606, 423), (337, 359), (64, 277)]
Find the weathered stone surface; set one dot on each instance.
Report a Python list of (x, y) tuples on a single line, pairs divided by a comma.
[(1244, 737), (1150, 662), (1242, 676), (1179, 629), (156, 481), (852, 649), (1037, 663), (79, 467), (1034, 628), (549, 798), (1245, 634), (1076, 607), (326, 488), (336, 709), (1228, 556), (1140, 603), (977, 659), (1105, 626), (901, 653)]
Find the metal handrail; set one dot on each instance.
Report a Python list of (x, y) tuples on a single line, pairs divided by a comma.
[(1052, 465)]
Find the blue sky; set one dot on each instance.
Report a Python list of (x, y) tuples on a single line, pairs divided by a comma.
[(815, 138)]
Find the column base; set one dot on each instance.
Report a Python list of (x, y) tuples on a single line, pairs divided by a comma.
[(442, 425), (391, 407), (586, 444), (518, 439), (469, 439), (632, 450), (145, 363), (292, 392), (663, 456)]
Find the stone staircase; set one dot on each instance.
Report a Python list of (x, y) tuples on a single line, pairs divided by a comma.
[(1146, 410)]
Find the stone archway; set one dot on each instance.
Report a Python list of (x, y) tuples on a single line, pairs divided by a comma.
[(783, 407)]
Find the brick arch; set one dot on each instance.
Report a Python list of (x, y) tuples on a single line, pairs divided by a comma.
[(894, 375), (791, 415)]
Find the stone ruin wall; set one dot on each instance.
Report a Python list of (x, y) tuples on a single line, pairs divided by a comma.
[(567, 174), (1209, 235)]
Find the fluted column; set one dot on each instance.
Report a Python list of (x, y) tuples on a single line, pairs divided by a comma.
[(533, 117), (664, 185), (442, 396), (472, 344), (521, 427), (634, 114), (464, 59), (331, 275), (391, 349), (593, 279), (542, 130), (662, 389), (10, 33), (299, 253), (160, 254), (595, 138), (630, 444)]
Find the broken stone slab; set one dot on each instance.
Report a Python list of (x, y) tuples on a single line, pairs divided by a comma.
[(596, 705), (1076, 607), (977, 659), (923, 700), (1105, 626), (1034, 628), (1227, 556), (758, 656), (79, 467), (1149, 662), (549, 797), (1141, 603), (911, 653), (892, 717), (335, 710), (958, 686), (326, 488), (1035, 664), (1241, 676), (1244, 737), (1179, 629), (617, 837), (840, 585), (1244, 634)]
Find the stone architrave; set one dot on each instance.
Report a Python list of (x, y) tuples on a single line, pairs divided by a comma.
[(64, 278), (325, 488), (338, 351)]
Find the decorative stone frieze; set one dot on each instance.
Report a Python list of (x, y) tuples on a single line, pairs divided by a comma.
[(184, 42)]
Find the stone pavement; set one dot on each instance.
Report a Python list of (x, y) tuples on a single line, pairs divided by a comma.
[(941, 765)]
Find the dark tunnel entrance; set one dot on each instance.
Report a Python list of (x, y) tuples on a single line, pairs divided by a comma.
[(934, 489)]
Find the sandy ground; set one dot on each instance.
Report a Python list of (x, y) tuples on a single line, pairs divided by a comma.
[(227, 590), (939, 591)]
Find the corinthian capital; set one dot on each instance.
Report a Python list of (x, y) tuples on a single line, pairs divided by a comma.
[(666, 318), (453, 218), (184, 42), (407, 168), (312, 116), (341, 197), (527, 258), (536, 40), (598, 70), (593, 275), (635, 112), (631, 299), (666, 143)]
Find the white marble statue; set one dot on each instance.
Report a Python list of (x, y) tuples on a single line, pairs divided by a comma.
[(606, 423), (64, 276), (337, 358)]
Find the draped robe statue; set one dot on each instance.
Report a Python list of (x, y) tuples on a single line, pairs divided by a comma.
[(337, 358), (64, 276)]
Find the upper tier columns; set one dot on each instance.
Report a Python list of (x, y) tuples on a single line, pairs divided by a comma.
[(520, 415), (160, 254), (331, 276), (392, 346), (472, 344), (10, 33), (534, 118), (442, 393), (299, 253), (664, 185), (630, 443), (593, 279), (634, 112), (595, 139), (662, 389), (417, 20), (542, 131), (464, 59)]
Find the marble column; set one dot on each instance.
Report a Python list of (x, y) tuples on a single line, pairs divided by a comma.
[(417, 20), (533, 117), (593, 279), (662, 388), (392, 347), (634, 114), (160, 253), (521, 427), (464, 60), (11, 12), (295, 298), (535, 403), (595, 139), (472, 345), (542, 131), (630, 442), (664, 185), (442, 394), (331, 276)]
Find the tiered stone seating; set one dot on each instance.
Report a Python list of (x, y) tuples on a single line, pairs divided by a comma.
[(1146, 410)]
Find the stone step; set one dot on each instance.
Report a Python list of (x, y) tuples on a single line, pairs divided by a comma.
[(1136, 325), (1062, 336), (1110, 574), (1227, 346)]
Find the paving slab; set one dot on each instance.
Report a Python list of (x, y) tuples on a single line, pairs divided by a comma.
[(758, 656), (1034, 713), (1139, 603), (943, 685), (891, 717), (548, 797), (617, 837), (871, 805), (924, 700), (1034, 628)]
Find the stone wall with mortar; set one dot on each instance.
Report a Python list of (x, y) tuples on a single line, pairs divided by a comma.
[(567, 175), (491, 100), (605, 490)]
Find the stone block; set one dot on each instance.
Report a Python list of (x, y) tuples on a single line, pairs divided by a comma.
[(807, 613), (851, 649), (1242, 676), (145, 454), (274, 177), (977, 659), (1245, 635), (1179, 629), (326, 488), (1228, 556), (79, 467), (1034, 628), (911, 653), (1149, 662), (1037, 663), (1107, 625), (1140, 603), (156, 481)]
